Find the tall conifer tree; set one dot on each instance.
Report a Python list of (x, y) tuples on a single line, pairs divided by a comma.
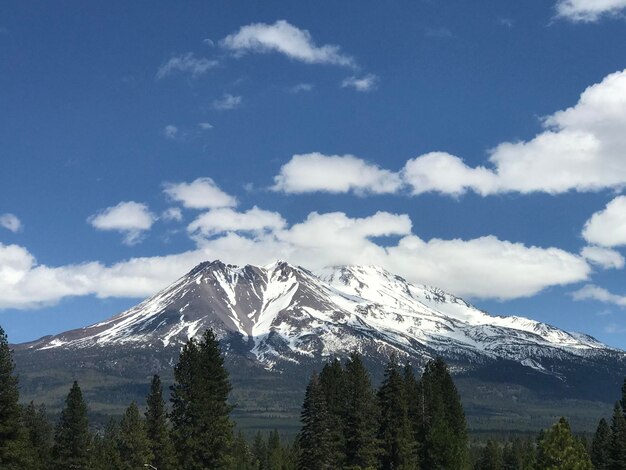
[(133, 441), (12, 437), (39, 434), (241, 454), (332, 383), (314, 439), (559, 449), (72, 441), (601, 446), (617, 450), (202, 428), (106, 454), (444, 429), (163, 456), (398, 450), (490, 457), (274, 451), (361, 416)]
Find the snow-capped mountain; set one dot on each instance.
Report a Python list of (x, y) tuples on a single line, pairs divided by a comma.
[(282, 315)]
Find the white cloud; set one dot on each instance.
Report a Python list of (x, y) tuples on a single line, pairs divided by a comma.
[(588, 11), (580, 149), (484, 267), (608, 226), (286, 39), (205, 126), (227, 220), (591, 292), (445, 173), (186, 63), (10, 222), (227, 102), (170, 131), (335, 174), (129, 217), (603, 257), (173, 214), (201, 193), (366, 83)]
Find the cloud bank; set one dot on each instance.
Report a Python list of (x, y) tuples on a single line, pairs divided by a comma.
[(484, 267), (580, 149)]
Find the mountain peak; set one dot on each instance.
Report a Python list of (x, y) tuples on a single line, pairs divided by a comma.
[(283, 313)]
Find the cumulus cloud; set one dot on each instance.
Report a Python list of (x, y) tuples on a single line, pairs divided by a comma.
[(286, 39), (589, 11), (129, 217), (186, 63), (10, 222), (608, 226), (484, 267), (445, 173), (205, 126), (603, 257), (334, 174), (579, 149), (227, 220), (592, 292), (201, 193), (365, 83), (227, 102)]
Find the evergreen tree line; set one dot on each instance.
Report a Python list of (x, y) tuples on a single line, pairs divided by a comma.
[(404, 425), (558, 448), (407, 423)]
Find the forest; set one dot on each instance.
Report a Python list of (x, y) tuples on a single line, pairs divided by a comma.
[(407, 423)]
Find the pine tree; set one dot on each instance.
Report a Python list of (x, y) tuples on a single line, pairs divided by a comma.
[(313, 440), (361, 416), (39, 434), (443, 433), (202, 429), (617, 448), (519, 455), (332, 383), (241, 453), (274, 451), (601, 446), (490, 457), (133, 441), (442, 428), (163, 456), (13, 443), (106, 455), (72, 441), (398, 449), (558, 449), (413, 404), (259, 452)]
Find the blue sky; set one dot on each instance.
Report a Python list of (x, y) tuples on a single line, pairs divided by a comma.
[(476, 146)]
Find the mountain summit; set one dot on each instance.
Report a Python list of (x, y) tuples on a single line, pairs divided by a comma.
[(285, 313)]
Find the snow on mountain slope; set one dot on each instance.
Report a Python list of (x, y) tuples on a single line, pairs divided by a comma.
[(286, 313)]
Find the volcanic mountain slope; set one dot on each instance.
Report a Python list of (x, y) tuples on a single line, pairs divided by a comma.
[(286, 313), (282, 319)]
